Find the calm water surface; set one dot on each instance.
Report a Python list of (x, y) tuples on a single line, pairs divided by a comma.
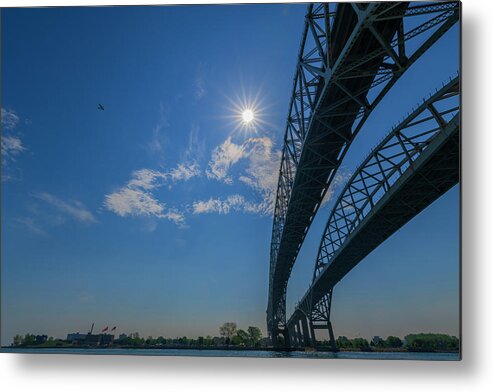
[(254, 354)]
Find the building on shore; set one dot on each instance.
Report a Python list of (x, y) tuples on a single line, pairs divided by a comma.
[(89, 339)]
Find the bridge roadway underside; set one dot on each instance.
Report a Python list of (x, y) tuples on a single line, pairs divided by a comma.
[(435, 172), (322, 147)]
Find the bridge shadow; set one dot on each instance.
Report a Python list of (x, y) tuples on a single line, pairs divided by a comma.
[(232, 370)]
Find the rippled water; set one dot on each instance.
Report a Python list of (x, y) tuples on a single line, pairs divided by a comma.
[(241, 353)]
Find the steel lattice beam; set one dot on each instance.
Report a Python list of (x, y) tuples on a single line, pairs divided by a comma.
[(412, 167), (350, 56)]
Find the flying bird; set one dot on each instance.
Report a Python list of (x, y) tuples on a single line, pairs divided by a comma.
[(100, 107)]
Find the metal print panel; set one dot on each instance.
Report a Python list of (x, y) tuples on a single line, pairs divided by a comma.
[(159, 199)]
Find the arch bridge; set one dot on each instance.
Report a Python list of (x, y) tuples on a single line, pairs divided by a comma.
[(413, 166), (351, 54)]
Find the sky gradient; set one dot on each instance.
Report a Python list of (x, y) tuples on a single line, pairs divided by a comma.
[(155, 215)]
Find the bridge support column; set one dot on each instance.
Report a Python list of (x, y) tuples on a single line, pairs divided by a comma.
[(286, 336), (295, 336), (292, 336), (329, 324), (312, 333), (331, 336), (306, 334), (298, 334)]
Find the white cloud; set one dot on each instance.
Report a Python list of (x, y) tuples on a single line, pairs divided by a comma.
[(261, 173), (184, 172), (9, 119), (223, 157), (224, 206), (133, 202), (236, 203), (196, 147), (155, 146), (146, 179), (31, 225), (11, 146), (175, 216), (341, 177), (136, 197), (73, 209)]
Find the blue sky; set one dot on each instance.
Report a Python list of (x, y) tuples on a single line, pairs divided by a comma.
[(154, 215)]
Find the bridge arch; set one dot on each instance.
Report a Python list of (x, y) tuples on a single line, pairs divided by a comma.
[(415, 164), (351, 54)]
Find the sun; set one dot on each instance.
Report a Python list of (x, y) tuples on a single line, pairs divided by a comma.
[(247, 116), (247, 112)]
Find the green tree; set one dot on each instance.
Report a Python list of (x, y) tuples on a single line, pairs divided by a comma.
[(29, 340), (254, 335), (18, 339), (242, 337), (393, 342), (227, 331), (343, 342), (431, 342), (360, 343)]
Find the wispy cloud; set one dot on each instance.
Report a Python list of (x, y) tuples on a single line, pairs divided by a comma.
[(131, 201), (184, 172), (9, 119), (261, 173), (196, 147), (340, 179), (31, 225), (72, 209), (221, 206), (12, 144), (136, 197), (223, 157), (199, 82), (11, 147), (155, 146)]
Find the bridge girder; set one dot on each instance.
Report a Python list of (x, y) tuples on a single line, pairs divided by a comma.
[(416, 163), (350, 57)]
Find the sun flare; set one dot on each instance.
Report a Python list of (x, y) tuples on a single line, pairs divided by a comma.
[(248, 113), (247, 116)]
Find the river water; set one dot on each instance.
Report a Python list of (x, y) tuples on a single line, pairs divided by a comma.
[(242, 353)]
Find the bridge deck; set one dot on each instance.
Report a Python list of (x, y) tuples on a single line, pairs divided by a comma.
[(434, 173), (322, 146)]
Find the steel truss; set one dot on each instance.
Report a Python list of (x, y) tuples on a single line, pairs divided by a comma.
[(400, 157), (351, 54)]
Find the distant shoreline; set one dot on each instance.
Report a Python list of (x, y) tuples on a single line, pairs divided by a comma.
[(228, 348)]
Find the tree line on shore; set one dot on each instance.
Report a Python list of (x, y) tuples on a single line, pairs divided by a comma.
[(411, 342), (232, 336)]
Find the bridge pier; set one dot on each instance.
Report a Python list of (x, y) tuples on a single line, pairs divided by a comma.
[(298, 334), (306, 334), (292, 336), (286, 337)]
